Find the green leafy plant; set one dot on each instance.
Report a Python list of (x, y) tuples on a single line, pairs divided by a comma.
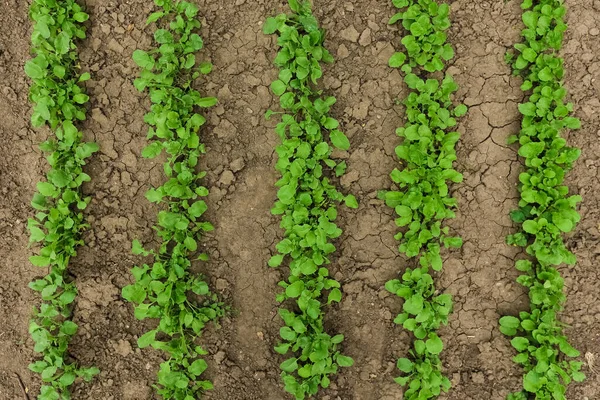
[(59, 102), (165, 289), (546, 211), (306, 201), (422, 201)]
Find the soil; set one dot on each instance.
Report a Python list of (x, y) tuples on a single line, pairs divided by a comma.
[(241, 175)]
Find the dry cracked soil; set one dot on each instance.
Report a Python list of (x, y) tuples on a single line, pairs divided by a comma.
[(241, 174)]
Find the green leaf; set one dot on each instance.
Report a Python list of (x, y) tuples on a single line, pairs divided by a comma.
[(331, 123), (282, 348), (572, 123), (567, 349), (529, 19), (163, 36), (397, 60), (46, 189), (454, 242), (532, 382), (67, 378), (276, 260), (154, 196), (339, 140), (520, 343), (147, 339), (59, 178), (334, 295), (287, 333), (207, 102), (270, 26), (198, 367), (530, 226), (460, 110), (413, 305), (80, 17), (434, 344), (400, 3), (198, 208), (69, 327), (33, 70), (531, 149), (509, 325), (134, 294), (578, 376), (344, 361), (527, 109), (190, 243), (87, 149), (351, 201), (546, 75), (337, 339), (62, 43), (152, 150), (395, 18), (200, 287), (404, 365), (137, 248), (278, 87), (287, 100), (529, 54), (81, 98), (155, 16), (295, 289), (205, 68), (48, 373), (143, 59), (37, 235), (39, 261), (289, 365)]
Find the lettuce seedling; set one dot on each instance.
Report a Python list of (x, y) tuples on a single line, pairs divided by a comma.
[(166, 289), (546, 210), (307, 201), (59, 103), (422, 200)]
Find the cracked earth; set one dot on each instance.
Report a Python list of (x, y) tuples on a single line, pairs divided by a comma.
[(240, 176)]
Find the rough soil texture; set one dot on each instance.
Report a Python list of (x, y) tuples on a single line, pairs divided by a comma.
[(241, 175)]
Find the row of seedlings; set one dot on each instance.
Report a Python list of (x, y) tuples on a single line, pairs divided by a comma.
[(59, 103), (422, 201), (165, 289), (306, 202), (306, 197), (546, 210)]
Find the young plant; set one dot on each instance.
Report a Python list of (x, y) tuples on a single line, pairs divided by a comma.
[(306, 201), (165, 289), (546, 210), (59, 102), (423, 202)]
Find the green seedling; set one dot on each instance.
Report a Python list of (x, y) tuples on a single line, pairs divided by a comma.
[(422, 201), (59, 102), (306, 201), (165, 289), (546, 210)]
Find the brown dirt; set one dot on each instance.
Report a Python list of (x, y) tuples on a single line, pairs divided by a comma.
[(241, 175)]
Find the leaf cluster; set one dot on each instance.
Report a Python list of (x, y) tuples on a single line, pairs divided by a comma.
[(59, 102), (546, 210), (423, 313), (425, 22), (53, 71), (422, 201), (165, 289), (306, 200)]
